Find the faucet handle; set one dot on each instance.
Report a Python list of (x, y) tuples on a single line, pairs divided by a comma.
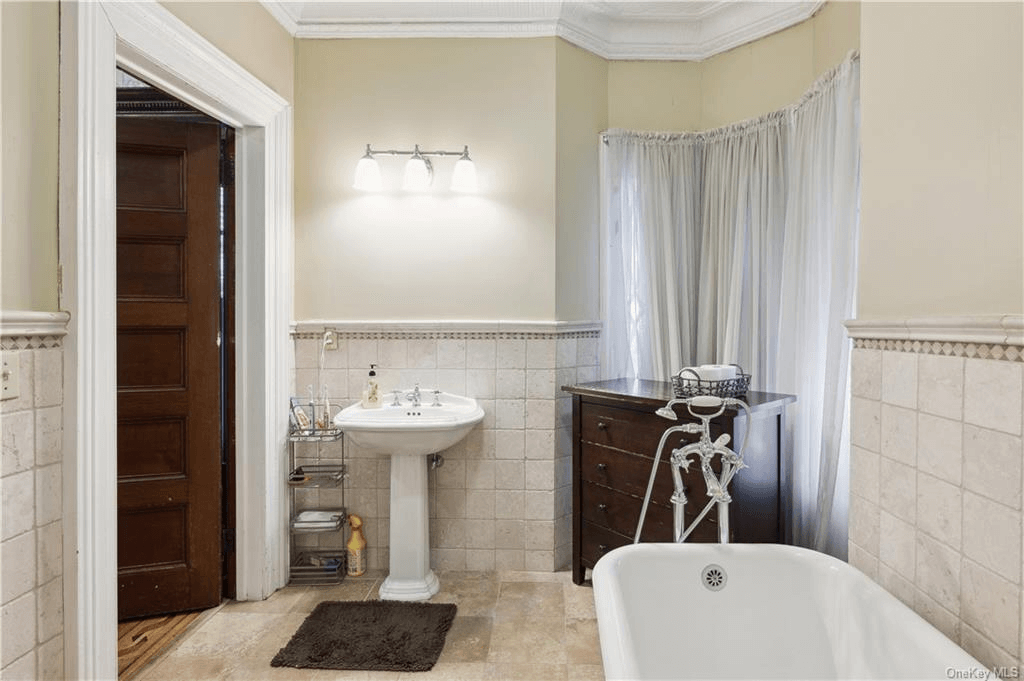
[(396, 402), (437, 399)]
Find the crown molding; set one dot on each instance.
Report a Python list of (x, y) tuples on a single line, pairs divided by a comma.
[(281, 13), (611, 30)]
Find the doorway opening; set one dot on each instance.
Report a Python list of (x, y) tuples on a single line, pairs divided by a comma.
[(175, 354)]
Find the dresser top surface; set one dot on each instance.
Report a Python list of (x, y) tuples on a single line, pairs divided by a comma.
[(659, 392)]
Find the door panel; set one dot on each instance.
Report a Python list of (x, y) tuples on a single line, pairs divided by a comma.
[(168, 367)]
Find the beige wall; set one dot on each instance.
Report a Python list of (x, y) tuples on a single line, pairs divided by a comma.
[(581, 103), (247, 33), (742, 83), (654, 95), (437, 255), (941, 96), (28, 237)]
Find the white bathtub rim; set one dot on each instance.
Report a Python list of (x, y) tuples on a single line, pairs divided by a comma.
[(617, 656)]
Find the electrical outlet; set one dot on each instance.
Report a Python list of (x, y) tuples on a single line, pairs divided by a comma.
[(11, 379), (330, 341)]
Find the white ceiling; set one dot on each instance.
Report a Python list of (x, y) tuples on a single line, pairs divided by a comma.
[(666, 30)]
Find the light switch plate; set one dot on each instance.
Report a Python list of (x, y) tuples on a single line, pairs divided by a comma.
[(11, 383)]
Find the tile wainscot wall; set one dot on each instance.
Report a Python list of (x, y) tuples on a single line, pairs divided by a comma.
[(31, 552), (936, 479), (502, 500)]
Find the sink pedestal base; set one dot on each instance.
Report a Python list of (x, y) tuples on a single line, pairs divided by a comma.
[(411, 578)]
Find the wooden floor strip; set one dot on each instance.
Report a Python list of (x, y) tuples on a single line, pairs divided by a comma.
[(139, 641)]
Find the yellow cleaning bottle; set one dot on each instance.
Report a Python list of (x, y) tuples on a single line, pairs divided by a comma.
[(356, 547)]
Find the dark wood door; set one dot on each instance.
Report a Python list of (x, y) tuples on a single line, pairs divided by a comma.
[(168, 367)]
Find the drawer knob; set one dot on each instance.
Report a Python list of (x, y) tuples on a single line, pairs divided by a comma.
[(603, 548), (602, 467), (601, 425), (602, 507)]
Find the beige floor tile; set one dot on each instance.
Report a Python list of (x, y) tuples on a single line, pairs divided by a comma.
[(580, 637), (192, 667), (541, 600), (281, 601), (586, 672), (474, 593), (527, 576), (529, 672), (230, 633), (579, 601), (349, 590), (455, 671), (510, 626), (468, 640), (528, 640)]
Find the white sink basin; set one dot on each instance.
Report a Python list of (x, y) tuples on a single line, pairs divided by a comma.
[(407, 433), (411, 430)]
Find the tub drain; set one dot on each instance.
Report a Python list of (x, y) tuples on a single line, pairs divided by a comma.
[(714, 577)]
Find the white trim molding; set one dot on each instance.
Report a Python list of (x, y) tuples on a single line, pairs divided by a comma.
[(612, 30), (146, 39), (987, 329), (999, 337), (476, 329), (31, 330), (33, 323)]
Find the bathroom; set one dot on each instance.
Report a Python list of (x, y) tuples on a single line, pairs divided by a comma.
[(939, 262)]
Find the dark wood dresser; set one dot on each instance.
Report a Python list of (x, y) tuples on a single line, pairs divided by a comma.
[(614, 440)]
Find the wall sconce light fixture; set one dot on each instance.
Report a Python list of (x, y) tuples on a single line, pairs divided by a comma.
[(419, 171)]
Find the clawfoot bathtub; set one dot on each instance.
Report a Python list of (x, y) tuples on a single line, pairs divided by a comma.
[(759, 611)]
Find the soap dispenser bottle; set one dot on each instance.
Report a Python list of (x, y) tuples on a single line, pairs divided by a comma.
[(371, 395)]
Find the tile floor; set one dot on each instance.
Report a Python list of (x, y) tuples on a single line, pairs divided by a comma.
[(533, 626)]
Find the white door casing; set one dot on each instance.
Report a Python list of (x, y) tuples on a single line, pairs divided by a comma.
[(146, 39)]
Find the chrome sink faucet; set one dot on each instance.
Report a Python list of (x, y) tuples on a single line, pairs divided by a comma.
[(414, 396)]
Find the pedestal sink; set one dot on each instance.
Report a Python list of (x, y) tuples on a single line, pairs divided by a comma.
[(408, 434)]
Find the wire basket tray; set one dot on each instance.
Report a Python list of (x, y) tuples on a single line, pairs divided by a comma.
[(317, 475), (311, 521), (688, 384), (319, 567)]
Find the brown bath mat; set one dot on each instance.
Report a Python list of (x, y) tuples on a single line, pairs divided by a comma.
[(369, 635)]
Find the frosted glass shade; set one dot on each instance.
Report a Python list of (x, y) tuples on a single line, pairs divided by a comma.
[(464, 176), (368, 175), (418, 175)]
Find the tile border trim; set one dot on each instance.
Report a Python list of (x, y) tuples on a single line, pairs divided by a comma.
[(981, 329), (1009, 353), (447, 330), (31, 330)]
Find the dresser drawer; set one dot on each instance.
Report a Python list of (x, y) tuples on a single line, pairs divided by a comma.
[(597, 541), (621, 512), (632, 431), (630, 473)]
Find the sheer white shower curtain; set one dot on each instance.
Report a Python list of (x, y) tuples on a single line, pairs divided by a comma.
[(739, 245)]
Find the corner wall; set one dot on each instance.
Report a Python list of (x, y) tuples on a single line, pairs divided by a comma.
[(744, 82), (937, 457)]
